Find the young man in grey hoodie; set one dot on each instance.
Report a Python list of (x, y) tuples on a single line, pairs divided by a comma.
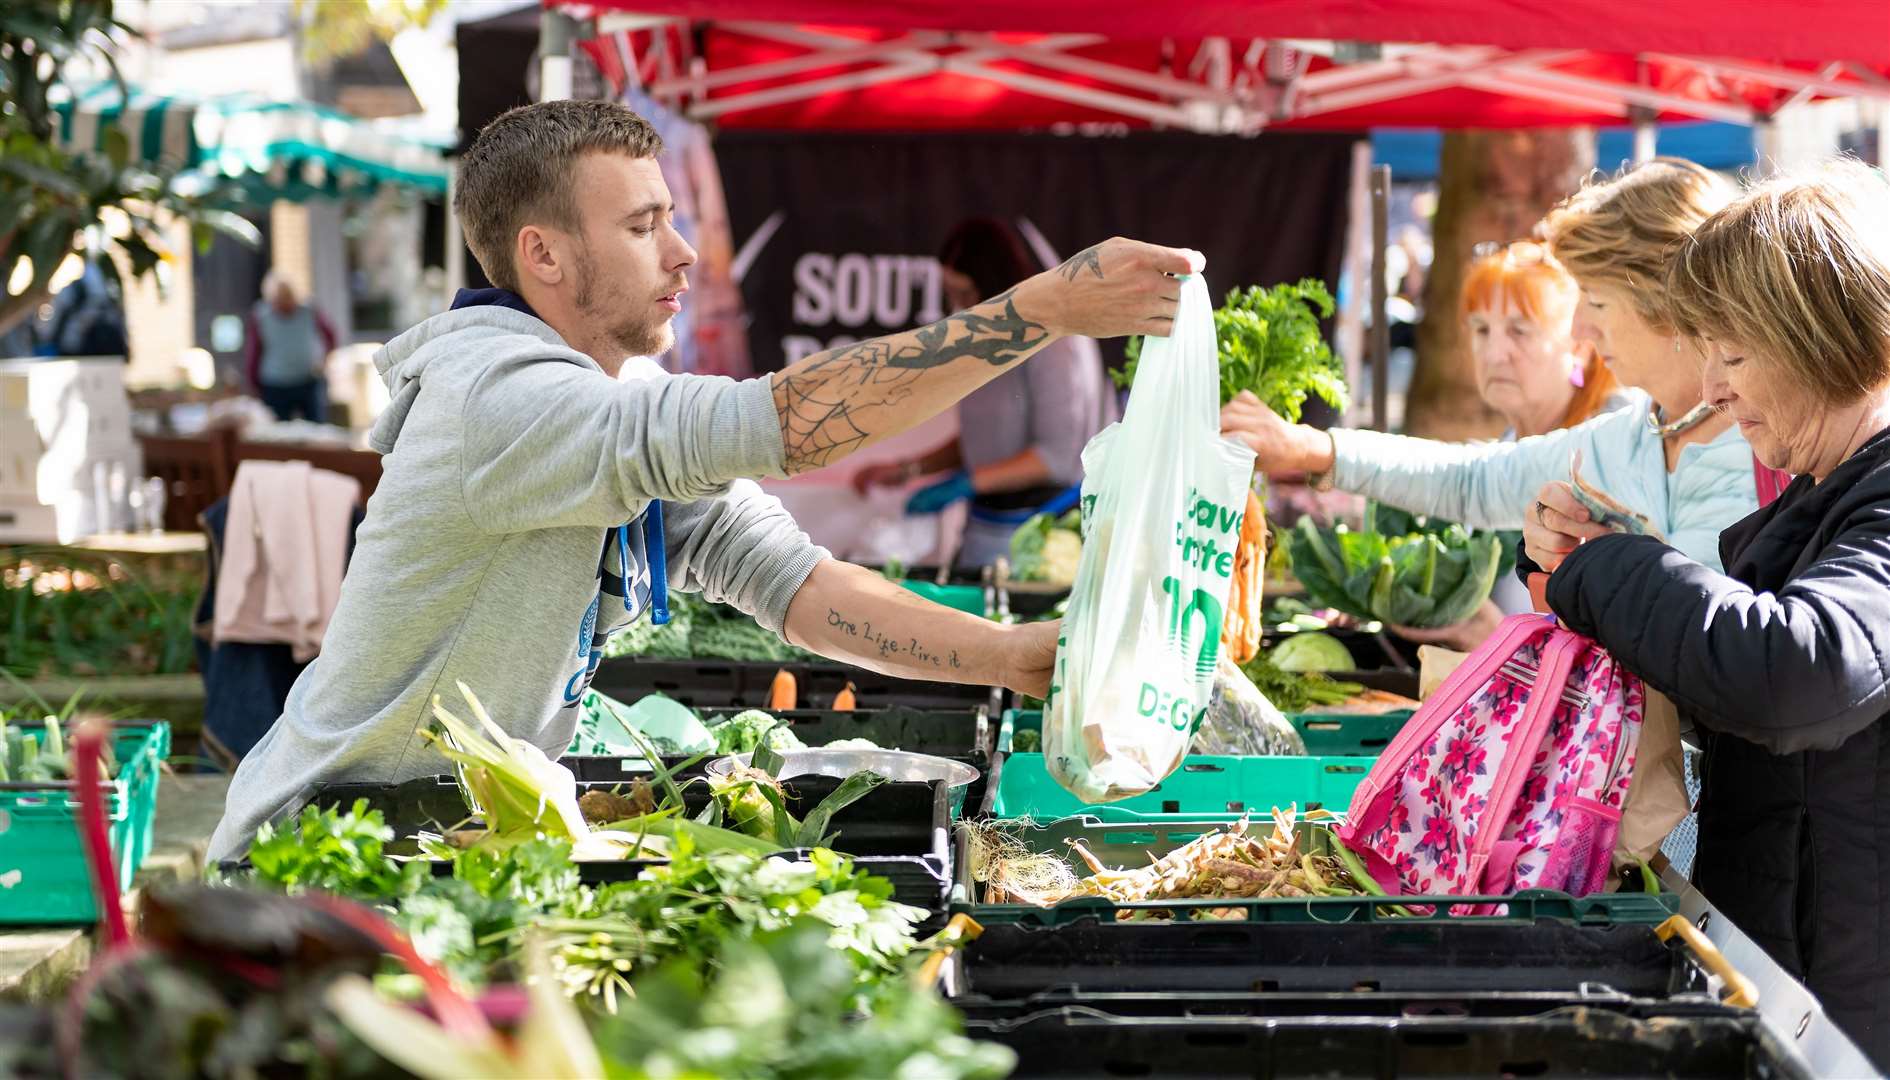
[(533, 471)]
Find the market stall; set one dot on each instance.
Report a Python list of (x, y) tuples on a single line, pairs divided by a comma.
[(751, 862)]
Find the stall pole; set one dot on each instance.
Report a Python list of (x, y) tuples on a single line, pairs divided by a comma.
[(554, 63), (1646, 134), (455, 239), (1381, 327)]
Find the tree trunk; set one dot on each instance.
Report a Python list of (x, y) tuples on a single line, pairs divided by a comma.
[(1492, 185)]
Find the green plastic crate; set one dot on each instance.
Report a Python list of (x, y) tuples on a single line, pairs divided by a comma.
[(1348, 735), (1205, 787), (970, 599), (1326, 735), (43, 878)]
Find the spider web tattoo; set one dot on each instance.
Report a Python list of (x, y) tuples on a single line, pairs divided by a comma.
[(833, 403)]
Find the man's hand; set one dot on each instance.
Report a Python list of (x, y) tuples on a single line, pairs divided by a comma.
[(1556, 524), (1032, 654), (1278, 447), (844, 400), (1116, 288)]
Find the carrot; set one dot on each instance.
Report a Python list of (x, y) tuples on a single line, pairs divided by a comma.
[(1242, 629), (782, 694), (843, 701)]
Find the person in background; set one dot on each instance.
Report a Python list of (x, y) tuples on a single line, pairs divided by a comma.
[(287, 347), (1778, 661), (1667, 455), (88, 316), (1020, 436), (1519, 311)]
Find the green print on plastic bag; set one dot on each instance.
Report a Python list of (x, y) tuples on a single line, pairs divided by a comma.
[(1182, 624), (1198, 534)]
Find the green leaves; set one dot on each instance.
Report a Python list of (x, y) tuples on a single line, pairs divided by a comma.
[(779, 1005), (340, 852), (1271, 344), (1398, 569)]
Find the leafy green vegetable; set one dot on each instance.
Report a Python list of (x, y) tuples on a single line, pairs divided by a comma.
[(1313, 651), (743, 732), (1294, 691), (700, 629), (777, 1005), (1271, 344), (1046, 547), (334, 850), (1434, 576)]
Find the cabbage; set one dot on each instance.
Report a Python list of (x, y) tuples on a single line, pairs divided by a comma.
[(1312, 652)]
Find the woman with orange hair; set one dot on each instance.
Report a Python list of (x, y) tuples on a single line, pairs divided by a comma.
[(1519, 309), (1665, 455)]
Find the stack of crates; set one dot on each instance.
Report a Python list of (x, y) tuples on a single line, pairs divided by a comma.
[(67, 455)]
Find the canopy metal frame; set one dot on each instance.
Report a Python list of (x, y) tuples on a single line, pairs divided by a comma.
[(1228, 86)]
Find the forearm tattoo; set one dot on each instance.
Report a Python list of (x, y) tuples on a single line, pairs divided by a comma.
[(889, 644), (1089, 259), (835, 401)]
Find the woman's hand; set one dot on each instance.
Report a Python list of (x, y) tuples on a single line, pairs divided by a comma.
[(884, 475), (1279, 447), (1556, 524), (1464, 636)]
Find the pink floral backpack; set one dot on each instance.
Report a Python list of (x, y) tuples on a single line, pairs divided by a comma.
[(1511, 776)]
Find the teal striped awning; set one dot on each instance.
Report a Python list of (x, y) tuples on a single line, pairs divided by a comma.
[(272, 149)]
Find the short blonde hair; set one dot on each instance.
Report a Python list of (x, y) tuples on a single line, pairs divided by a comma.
[(1798, 269), (1624, 230)]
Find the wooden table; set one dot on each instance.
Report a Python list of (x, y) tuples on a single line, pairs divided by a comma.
[(39, 962)]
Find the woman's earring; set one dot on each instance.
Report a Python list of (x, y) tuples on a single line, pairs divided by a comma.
[(1578, 375)]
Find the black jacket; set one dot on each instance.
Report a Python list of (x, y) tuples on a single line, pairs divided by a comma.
[(1781, 664)]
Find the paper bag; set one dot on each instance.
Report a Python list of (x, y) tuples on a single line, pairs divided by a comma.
[(1435, 664), (1657, 793)]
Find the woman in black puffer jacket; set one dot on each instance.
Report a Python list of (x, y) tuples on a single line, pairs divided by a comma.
[(1782, 662)]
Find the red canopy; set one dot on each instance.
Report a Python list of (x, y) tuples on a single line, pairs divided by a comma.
[(1806, 30), (1242, 66)]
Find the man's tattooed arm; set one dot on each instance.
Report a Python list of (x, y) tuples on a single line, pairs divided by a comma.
[(852, 614), (844, 399)]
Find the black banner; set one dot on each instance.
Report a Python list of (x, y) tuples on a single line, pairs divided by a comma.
[(837, 232)]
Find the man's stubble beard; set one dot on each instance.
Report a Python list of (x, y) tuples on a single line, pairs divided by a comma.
[(649, 337)]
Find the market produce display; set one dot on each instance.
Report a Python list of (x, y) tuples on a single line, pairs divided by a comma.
[(1047, 547), (1226, 864), (1397, 569), (700, 629), (1297, 691)]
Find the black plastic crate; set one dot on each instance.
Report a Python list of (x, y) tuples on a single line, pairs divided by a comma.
[(1101, 955), (898, 830), (704, 684), (1458, 1004), (1579, 1041)]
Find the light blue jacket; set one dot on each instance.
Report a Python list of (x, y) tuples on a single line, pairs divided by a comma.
[(1492, 485)]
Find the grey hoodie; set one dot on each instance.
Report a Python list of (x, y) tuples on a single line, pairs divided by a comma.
[(504, 545)]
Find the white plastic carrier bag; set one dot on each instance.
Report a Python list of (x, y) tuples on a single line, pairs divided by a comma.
[(1163, 494)]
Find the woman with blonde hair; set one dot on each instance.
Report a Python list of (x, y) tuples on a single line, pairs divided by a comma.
[(1663, 455), (1782, 661)]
